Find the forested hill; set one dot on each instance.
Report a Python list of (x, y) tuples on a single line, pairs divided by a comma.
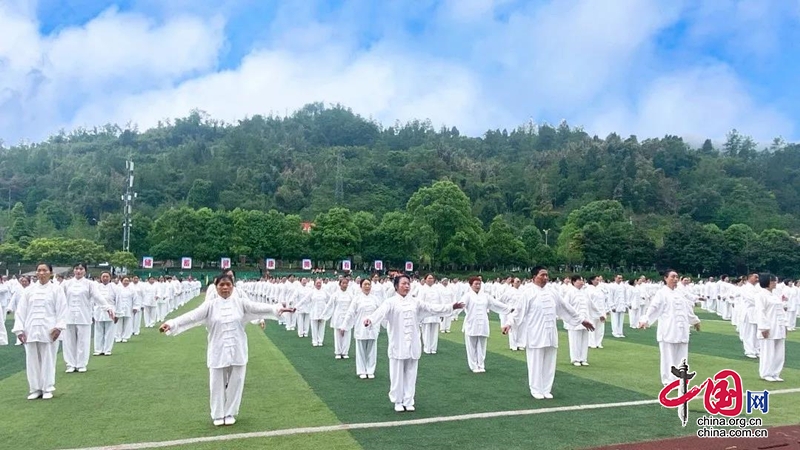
[(320, 157)]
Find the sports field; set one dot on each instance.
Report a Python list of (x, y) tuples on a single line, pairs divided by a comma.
[(153, 392)]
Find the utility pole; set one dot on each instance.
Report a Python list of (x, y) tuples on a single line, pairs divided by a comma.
[(127, 198)]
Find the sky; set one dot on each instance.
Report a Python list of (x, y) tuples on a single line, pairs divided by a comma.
[(696, 69)]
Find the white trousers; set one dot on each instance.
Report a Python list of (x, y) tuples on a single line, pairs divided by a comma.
[(137, 322), (617, 320), (291, 320), (302, 324), (773, 355), (447, 321), (476, 351), (633, 317), (341, 343), (104, 336), (671, 355), (3, 332), (403, 381), (430, 337), (578, 345), (40, 366), (750, 340), (226, 386), (163, 310), (791, 317), (541, 369), (150, 315), (77, 345), (124, 328), (317, 332), (596, 336), (366, 356)]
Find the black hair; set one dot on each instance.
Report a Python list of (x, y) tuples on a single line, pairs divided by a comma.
[(221, 278), (79, 265), (49, 266), (397, 279), (535, 271), (575, 278), (764, 279)]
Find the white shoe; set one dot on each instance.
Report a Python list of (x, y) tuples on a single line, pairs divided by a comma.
[(47, 396), (346, 356), (338, 357), (370, 375), (769, 379), (779, 379), (751, 356), (96, 353), (399, 408), (362, 376), (592, 346), (538, 396), (548, 395), (70, 370), (410, 408), (230, 420), (599, 346), (82, 369), (34, 395), (433, 353), (576, 363), (124, 340), (482, 370), (219, 422), (584, 363), (476, 370), (117, 340)]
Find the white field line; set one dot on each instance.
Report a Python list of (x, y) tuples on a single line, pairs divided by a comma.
[(388, 424)]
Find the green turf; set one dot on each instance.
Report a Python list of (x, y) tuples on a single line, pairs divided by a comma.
[(155, 388), (12, 357)]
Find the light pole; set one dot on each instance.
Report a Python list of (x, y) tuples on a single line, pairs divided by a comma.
[(546, 232)]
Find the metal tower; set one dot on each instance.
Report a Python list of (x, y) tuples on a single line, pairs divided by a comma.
[(127, 198), (339, 190)]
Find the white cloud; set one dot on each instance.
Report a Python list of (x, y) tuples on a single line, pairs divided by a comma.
[(594, 63), (705, 102)]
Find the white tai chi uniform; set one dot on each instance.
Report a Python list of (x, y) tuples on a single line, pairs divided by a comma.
[(536, 313), (675, 316), (81, 294), (430, 325), (578, 335), (315, 303), (366, 337), (336, 308), (476, 326), (771, 317), (42, 308), (104, 327), (402, 315), (227, 345)]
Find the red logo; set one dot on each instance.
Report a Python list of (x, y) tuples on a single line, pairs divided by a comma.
[(723, 393)]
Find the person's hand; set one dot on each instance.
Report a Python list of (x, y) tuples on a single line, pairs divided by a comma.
[(341, 332), (458, 305), (111, 315), (54, 334), (765, 334), (588, 325), (115, 319), (642, 325), (135, 310), (262, 324), (697, 327), (164, 327), (285, 310), (367, 322), (22, 338), (603, 319), (506, 329)]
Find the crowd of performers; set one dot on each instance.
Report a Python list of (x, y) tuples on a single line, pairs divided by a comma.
[(51, 312), (413, 312)]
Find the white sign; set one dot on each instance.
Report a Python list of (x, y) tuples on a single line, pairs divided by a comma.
[(346, 265), (409, 266), (225, 263), (307, 264), (378, 264), (186, 263), (147, 262), (270, 264)]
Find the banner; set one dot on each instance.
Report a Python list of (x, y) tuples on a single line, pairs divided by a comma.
[(378, 264), (186, 263), (307, 264), (346, 265), (409, 266), (270, 264), (225, 263), (147, 262)]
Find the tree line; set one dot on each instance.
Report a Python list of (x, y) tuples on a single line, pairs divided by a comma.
[(538, 193)]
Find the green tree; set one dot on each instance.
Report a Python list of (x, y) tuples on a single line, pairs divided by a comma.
[(201, 194), (19, 223), (334, 235), (10, 253), (503, 248), (123, 259)]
